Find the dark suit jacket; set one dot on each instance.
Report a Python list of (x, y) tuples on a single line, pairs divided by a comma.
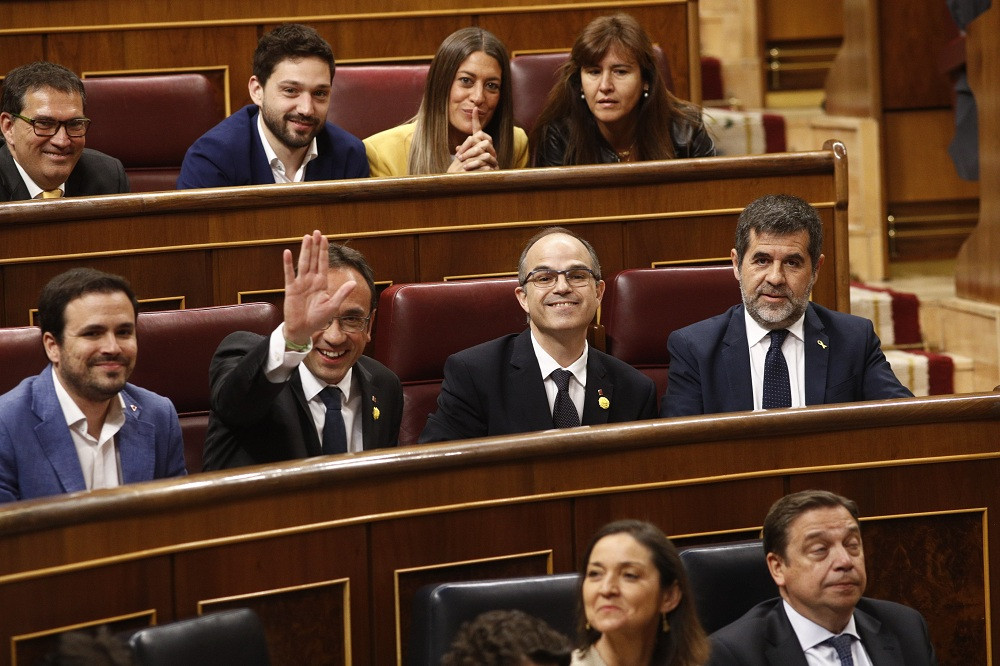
[(256, 421), (893, 635), (710, 363), (94, 173), (496, 388), (37, 454), (231, 153)]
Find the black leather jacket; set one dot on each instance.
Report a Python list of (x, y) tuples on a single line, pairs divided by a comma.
[(691, 139)]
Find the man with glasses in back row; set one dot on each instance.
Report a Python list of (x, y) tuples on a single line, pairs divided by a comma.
[(306, 389), (547, 376), (44, 127)]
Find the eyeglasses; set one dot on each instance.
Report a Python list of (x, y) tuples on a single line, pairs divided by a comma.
[(545, 278), (75, 127), (350, 323)]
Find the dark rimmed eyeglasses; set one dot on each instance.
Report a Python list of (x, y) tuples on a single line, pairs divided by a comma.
[(350, 323), (46, 127), (545, 278)]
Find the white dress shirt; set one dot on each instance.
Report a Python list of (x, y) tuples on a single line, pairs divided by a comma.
[(34, 191), (794, 350), (100, 461), (277, 166), (578, 383), (279, 367), (810, 636)]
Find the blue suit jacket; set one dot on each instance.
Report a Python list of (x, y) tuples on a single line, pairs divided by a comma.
[(710, 363), (892, 634), (231, 153), (37, 456), (496, 388)]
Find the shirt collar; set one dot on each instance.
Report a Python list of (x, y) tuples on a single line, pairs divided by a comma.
[(811, 634), (72, 412), (547, 364), (756, 333), (312, 385), (272, 157), (33, 189)]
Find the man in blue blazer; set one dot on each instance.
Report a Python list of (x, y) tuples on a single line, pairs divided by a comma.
[(78, 425), (821, 356), (509, 385), (816, 557), (283, 137)]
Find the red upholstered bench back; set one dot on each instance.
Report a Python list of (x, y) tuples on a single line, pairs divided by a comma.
[(643, 306), (21, 355), (175, 350), (366, 99), (149, 122), (420, 325)]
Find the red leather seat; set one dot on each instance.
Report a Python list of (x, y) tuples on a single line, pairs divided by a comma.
[(21, 355), (149, 121), (421, 324), (533, 75), (643, 306), (175, 350), (366, 99)]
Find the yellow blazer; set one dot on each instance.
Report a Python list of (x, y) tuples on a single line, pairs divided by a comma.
[(388, 151)]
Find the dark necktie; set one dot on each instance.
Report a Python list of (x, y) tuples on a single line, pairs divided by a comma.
[(842, 644), (563, 411), (334, 432), (777, 390)]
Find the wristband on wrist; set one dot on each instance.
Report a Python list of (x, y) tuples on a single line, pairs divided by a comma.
[(291, 346)]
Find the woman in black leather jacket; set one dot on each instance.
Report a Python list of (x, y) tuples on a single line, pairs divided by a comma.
[(611, 104)]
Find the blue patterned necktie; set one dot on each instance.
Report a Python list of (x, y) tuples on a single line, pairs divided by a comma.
[(842, 644), (334, 432), (563, 410), (777, 389)]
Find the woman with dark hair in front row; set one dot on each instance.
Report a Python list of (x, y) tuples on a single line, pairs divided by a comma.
[(636, 605), (466, 117), (612, 105)]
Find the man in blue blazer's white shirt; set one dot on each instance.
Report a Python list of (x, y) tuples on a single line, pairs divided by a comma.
[(720, 364), (78, 425)]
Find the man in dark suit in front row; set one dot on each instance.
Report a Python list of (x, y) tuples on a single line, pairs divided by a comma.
[(777, 349), (547, 376), (306, 389), (44, 129), (815, 555)]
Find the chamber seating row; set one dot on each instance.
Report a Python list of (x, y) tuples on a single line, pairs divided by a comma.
[(726, 581), (417, 327), (149, 121)]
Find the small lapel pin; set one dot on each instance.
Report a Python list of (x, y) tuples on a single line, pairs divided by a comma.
[(820, 343), (134, 408), (375, 413), (603, 402), (374, 400)]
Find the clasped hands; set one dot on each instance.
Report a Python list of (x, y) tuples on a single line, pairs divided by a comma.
[(476, 153)]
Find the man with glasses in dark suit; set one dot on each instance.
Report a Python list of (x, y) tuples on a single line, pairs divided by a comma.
[(547, 376), (307, 389), (44, 129)]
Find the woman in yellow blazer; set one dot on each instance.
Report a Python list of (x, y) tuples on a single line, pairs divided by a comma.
[(466, 117)]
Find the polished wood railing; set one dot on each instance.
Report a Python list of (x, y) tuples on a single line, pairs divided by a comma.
[(329, 550)]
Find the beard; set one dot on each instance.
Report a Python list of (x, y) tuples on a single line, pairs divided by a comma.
[(280, 128), (779, 315), (93, 384)]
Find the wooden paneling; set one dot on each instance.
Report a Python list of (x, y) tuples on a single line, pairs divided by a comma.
[(977, 271), (912, 34), (802, 20), (301, 536), (210, 245), (918, 167)]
